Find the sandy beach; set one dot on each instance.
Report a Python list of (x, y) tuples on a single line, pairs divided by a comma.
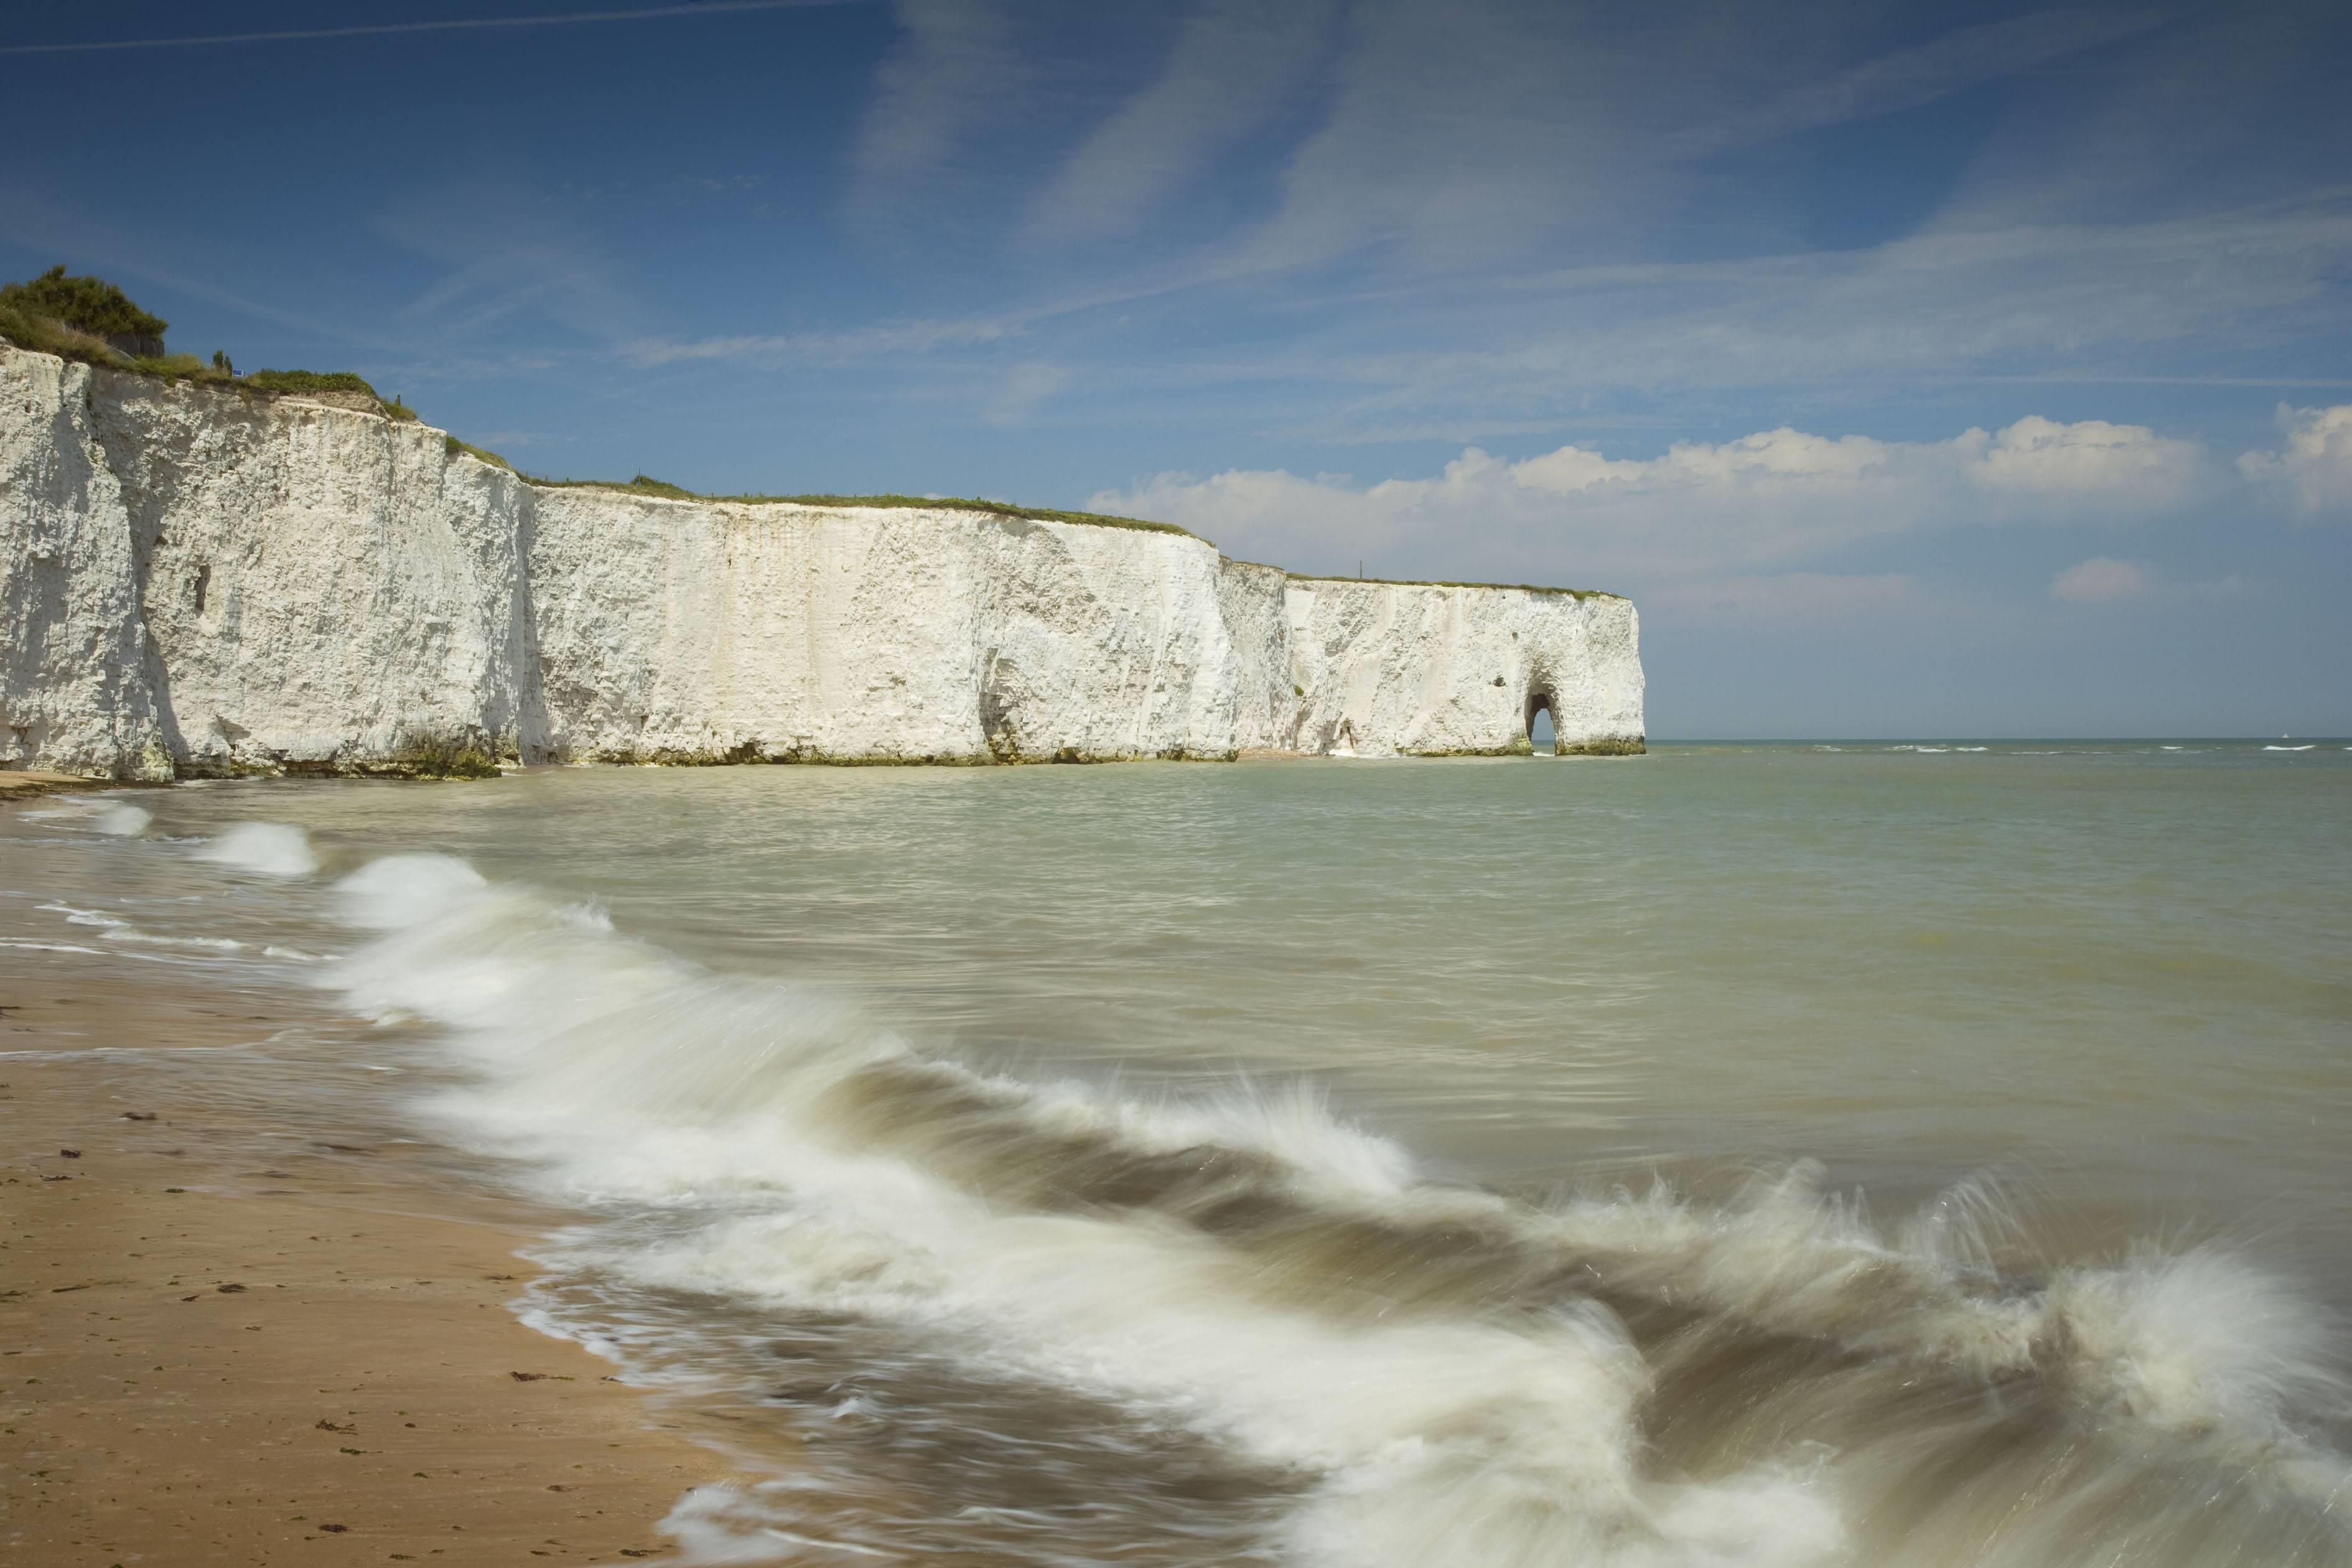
[(210, 1358)]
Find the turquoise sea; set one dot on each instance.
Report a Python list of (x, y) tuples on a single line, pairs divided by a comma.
[(1837, 1153)]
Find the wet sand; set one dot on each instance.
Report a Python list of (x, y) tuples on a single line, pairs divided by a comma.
[(213, 1355), (17, 784)]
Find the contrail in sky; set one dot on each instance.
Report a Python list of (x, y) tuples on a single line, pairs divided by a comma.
[(647, 13)]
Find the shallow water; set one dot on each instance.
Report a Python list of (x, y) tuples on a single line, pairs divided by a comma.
[(1757, 1154)]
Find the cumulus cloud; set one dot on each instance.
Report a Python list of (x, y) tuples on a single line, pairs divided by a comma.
[(2048, 466), (1764, 500), (2100, 580), (2314, 471)]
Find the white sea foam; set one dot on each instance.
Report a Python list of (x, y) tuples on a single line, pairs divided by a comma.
[(114, 928), (633, 1078), (2287, 748), (267, 848), (122, 821), (148, 939), (81, 917), (806, 1160)]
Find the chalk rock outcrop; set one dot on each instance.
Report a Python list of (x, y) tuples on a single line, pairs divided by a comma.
[(195, 582)]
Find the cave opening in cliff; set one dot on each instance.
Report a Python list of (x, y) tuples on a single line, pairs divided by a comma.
[(1540, 728)]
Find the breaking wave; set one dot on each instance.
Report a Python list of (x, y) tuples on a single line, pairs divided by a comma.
[(267, 848), (1395, 1369)]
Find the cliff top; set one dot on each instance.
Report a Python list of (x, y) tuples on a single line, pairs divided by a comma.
[(1438, 583), (646, 485)]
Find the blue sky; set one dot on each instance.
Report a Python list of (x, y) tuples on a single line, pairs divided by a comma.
[(1918, 369)]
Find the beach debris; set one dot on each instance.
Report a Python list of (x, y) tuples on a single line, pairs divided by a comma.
[(71, 1153), (334, 1529), (191, 1297), (138, 1116), (231, 1288), (527, 1377), (559, 1489), (326, 1425), (57, 1178), (176, 1189)]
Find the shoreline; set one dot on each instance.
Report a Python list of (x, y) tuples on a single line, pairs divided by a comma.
[(224, 1338), (19, 783)]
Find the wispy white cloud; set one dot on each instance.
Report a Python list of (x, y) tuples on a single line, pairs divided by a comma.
[(854, 345), (2314, 469), (956, 63), (2073, 300), (505, 256), (1463, 133), (1013, 398), (378, 29), (1907, 78), (1442, 158), (1234, 64), (2218, 106), (2102, 580)]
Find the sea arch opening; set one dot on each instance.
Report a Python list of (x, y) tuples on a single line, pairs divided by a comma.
[(1542, 724)]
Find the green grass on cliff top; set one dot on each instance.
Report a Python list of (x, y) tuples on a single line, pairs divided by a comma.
[(646, 485)]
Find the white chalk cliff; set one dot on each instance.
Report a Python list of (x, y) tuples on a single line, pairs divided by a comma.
[(195, 580)]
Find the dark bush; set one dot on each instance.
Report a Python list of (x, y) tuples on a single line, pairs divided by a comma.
[(91, 305), (47, 334), (310, 380)]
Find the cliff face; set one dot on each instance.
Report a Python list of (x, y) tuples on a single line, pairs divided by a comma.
[(196, 582)]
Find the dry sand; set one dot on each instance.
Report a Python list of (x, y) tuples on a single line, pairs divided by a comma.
[(208, 1357)]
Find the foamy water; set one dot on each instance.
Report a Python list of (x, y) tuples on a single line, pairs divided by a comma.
[(1741, 1156)]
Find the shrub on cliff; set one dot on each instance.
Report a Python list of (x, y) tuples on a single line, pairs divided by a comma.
[(324, 381), (89, 305), (47, 334), (451, 445), (178, 367), (310, 380)]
